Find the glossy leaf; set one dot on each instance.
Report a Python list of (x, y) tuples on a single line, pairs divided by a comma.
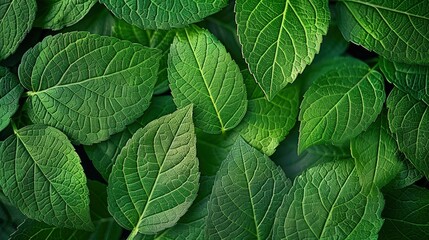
[(10, 91)]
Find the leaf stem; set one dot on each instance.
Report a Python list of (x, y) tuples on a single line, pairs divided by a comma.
[(133, 233), (15, 129)]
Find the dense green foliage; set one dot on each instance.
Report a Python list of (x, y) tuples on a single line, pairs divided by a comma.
[(214, 119)]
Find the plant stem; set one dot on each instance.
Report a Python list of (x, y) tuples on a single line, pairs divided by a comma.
[(133, 233)]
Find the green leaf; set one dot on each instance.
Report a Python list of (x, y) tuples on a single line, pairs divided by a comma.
[(406, 177), (406, 214), (56, 14), (10, 91), (395, 29), (333, 44), (412, 79), (160, 39), (376, 154), (40, 173), (340, 104), (103, 155), (409, 121), (247, 191), (166, 14), (16, 20), (280, 38), (267, 123), (86, 85), (10, 217), (201, 72), (155, 178), (327, 200)]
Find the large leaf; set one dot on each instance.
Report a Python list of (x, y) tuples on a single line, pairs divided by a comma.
[(406, 177), (376, 154), (88, 86), (56, 14), (328, 200), (412, 79), (103, 155), (16, 20), (155, 177), (247, 191), (163, 14), (340, 104), (406, 214), (10, 91), (395, 29), (280, 38), (201, 72), (40, 173), (409, 121)]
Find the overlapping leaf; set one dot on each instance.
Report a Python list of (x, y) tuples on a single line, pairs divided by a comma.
[(40, 173), (280, 38), (10, 91), (88, 86), (201, 72), (155, 178)]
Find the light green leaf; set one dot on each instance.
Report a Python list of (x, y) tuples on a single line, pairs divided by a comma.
[(160, 39), (395, 29), (406, 214), (247, 191), (267, 123), (201, 72), (326, 201), (412, 79), (340, 104), (409, 121), (376, 154), (56, 14), (86, 85), (10, 91), (155, 178), (16, 20), (280, 38), (164, 14), (103, 155), (40, 173)]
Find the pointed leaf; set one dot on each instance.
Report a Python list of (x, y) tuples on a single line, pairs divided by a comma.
[(280, 38), (86, 85), (10, 91), (155, 178)]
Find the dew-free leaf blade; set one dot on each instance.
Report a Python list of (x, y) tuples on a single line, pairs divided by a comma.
[(280, 38), (86, 85), (16, 20), (340, 104), (395, 29), (247, 191), (10, 91), (164, 14), (40, 173), (155, 178), (409, 121), (201, 72), (328, 200)]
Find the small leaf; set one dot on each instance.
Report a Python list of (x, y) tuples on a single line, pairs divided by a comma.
[(86, 85), (280, 38), (10, 91), (40, 173), (201, 72), (409, 121), (155, 178), (327, 200), (247, 191), (395, 29), (340, 104), (16, 20), (56, 14), (166, 14), (406, 177)]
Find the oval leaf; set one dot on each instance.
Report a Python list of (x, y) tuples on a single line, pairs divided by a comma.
[(280, 38), (86, 85), (40, 173), (201, 72), (340, 104), (155, 178), (10, 91)]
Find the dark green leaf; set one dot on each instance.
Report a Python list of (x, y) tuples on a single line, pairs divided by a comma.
[(10, 91)]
